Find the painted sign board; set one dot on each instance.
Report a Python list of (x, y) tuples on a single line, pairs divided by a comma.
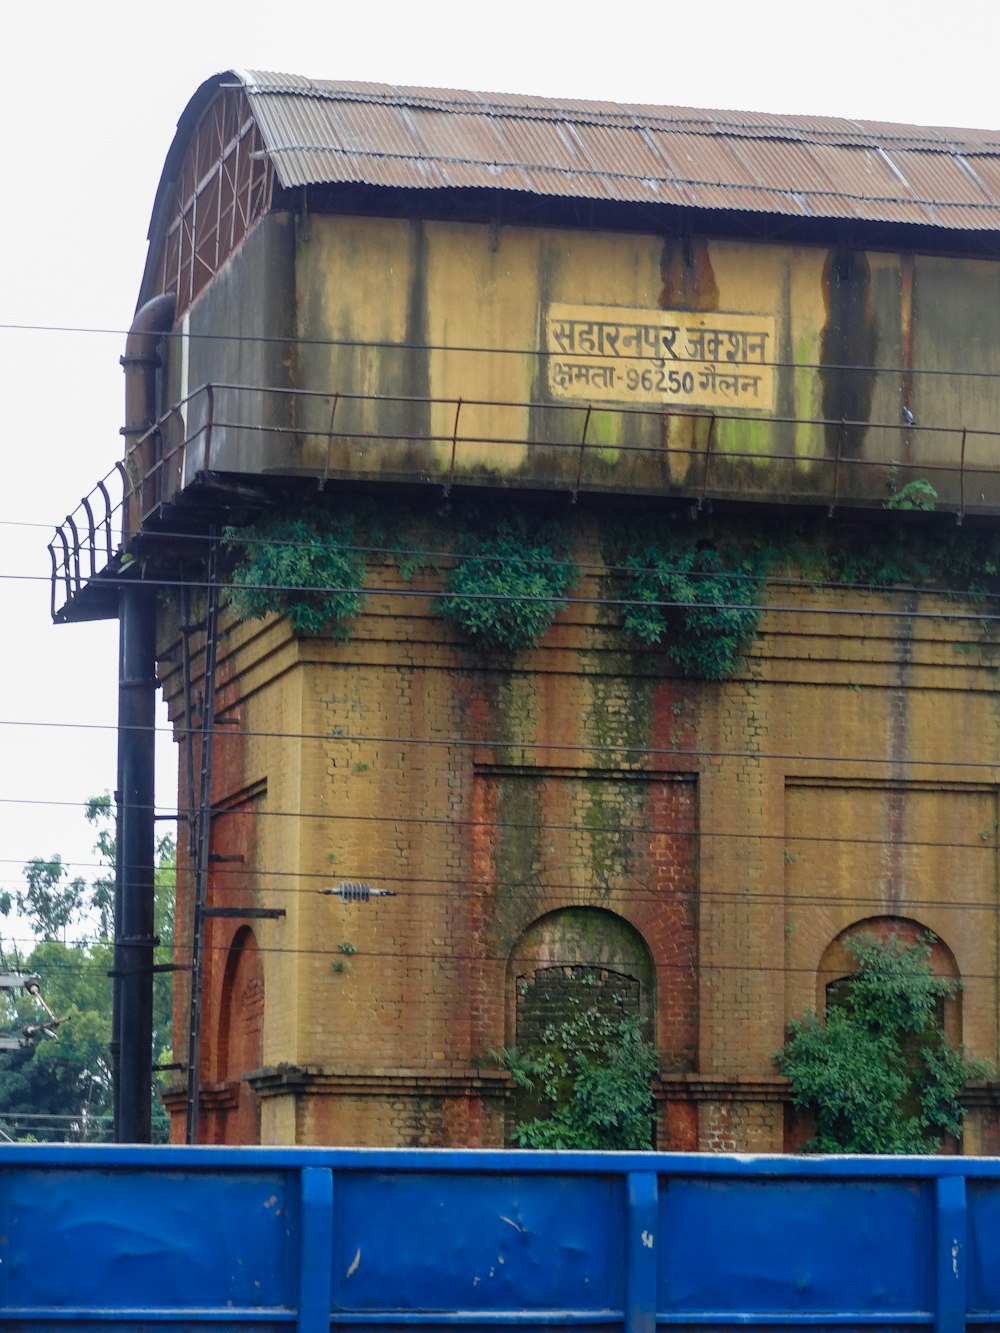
[(672, 358)]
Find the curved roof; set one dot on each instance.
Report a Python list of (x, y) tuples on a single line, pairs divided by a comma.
[(319, 131)]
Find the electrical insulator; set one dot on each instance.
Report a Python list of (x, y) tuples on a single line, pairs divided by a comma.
[(356, 891)]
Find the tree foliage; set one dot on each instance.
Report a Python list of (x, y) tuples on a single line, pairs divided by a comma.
[(879, 1075), (51, 901), (65, 1085), (590, 1077)]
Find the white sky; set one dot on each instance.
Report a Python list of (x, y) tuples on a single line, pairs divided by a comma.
[(89, 98)]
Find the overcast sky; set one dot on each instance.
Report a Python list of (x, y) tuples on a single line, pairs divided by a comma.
[(90, 95)]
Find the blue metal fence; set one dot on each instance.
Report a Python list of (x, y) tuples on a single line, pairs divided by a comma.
[(195, 1238)]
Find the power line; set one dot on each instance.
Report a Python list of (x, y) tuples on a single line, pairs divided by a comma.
[(596, 570), (568, 600), (342, 737), (358, 954), (368, 344), (458, 890), (394, 819)]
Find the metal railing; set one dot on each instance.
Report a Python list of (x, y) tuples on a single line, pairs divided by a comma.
[(251, 431)]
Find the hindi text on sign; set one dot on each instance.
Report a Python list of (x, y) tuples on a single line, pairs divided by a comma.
[(661, 357)]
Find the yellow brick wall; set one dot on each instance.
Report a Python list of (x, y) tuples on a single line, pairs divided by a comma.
[(846, 773)]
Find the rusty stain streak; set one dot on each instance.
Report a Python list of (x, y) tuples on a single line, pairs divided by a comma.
[(849, 345), (906, 384), (899, 754)]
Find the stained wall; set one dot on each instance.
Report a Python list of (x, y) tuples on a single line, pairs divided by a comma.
[(514, 802)]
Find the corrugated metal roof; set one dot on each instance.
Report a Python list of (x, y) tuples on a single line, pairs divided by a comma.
[(803, 166)]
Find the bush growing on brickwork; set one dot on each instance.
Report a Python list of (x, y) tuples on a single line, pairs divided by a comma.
[(700, 602), (505, 589), (590, 1077), (304, 566), (879, 1075)]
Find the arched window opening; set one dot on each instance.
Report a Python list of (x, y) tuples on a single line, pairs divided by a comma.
[(877, 1070), (241, 1032), (579, 1034), (837, 967)]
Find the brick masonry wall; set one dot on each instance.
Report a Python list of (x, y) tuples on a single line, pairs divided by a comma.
[(734, 830)]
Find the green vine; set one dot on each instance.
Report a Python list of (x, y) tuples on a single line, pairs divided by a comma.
[(304, 566), (917, 494), (505, 591)]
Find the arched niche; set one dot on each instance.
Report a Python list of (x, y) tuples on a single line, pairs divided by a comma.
[(837, 965), (573, 956), (241, 1032)]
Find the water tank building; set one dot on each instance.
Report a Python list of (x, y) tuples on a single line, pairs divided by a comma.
[(565, 537)]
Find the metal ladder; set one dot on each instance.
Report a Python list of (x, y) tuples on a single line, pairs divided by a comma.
[(199, 811)]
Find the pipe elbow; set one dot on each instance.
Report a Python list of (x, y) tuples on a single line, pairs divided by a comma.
[(141, 362)]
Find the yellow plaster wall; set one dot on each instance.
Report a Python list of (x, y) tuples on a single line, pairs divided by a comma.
[(419, 311)]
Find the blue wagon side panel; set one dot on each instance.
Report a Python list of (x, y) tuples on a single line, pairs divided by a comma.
[(147, 1240), (436, 1242), (794, 1247), (192, 1239)]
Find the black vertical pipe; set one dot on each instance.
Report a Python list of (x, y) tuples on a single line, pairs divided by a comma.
[(134, 889), (116, 1020), (132, 1014)]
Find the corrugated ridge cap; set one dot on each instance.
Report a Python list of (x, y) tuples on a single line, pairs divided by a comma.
[(829, 130)]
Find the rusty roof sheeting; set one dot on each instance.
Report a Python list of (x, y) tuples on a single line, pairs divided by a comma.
[(801, 166)]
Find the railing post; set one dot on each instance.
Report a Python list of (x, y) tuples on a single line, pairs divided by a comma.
[(640, 1252), (315, 1249), (583, 448), (950, 1245), (454, 450), (708, 462)]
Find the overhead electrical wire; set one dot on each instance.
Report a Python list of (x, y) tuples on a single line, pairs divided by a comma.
[(93, 966), (286, 340), (594, 569), (692, 894), (471, 885), (568, 600), (393, 820)]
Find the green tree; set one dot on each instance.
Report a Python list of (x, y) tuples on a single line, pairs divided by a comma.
[(879, 1075), (69, 1080), (51, 901), (589, 1077), (98, 812)]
